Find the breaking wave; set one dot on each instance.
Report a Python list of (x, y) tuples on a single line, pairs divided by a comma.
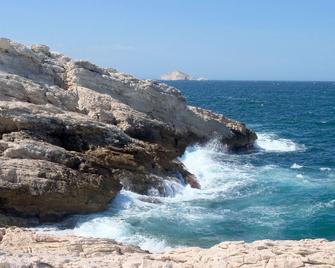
[(296, 166), (270, 142), (240, 198)]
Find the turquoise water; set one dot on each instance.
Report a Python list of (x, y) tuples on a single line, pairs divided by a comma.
[(283, 189)]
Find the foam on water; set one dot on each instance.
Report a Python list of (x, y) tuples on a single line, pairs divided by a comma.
[(112, 223), (325, 169), (296, 166), (158, 223), (219, 174), (272, 143), (213, 166)]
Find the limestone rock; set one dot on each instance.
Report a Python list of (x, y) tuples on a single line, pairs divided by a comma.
[(41, 48), (23, 248), (178, 75), (72, 133), (175, 75)]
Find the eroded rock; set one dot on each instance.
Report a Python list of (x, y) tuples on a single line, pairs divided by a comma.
[(73, 133), (23, 248)]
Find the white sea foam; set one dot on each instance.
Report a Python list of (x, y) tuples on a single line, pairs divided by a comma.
[(222, 176), (112, 224), (296, 166), (330, 204), (270, 142), (217, 171), (315, 208), (325, 169), (123, 232), (219, 175)]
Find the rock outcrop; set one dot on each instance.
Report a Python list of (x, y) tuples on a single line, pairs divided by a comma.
[(178, 75), (72, 134), (175, 75), (23, 248)]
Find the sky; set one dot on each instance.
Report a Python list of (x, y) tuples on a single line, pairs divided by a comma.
[(217, 39)]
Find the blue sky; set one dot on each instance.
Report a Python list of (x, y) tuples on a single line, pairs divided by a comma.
[(231, 40)]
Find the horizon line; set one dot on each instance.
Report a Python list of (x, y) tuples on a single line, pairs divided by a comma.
[(247, 80)]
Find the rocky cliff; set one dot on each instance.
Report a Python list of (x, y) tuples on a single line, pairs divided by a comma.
[(72, 134), (23, 248)]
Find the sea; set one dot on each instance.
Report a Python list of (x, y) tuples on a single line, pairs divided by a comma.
[(283, 188)]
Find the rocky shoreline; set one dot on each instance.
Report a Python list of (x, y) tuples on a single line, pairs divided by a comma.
[(73, 134), (23, 248)]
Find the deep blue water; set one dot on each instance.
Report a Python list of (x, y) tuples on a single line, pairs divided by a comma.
[(303, 112), (284, 189)]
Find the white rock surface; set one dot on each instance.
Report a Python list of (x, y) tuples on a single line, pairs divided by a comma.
[(176, 75), (23, 248), (71, 133), (179, 75)]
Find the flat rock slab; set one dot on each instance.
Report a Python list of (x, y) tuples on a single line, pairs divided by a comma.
[(24, 248)]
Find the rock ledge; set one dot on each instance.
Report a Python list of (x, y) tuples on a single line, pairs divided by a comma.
[(23, 248)]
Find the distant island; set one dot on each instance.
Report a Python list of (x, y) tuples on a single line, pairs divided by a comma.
[(178, 75)]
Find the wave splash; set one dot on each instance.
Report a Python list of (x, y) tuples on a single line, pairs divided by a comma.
[(270, 142), (136, 219), (119, 223)]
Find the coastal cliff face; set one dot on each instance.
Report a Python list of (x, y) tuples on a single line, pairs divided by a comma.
[(23, 248), (72, 134)]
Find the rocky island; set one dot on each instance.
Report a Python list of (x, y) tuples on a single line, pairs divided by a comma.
[(73, 134), (178, 75)]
